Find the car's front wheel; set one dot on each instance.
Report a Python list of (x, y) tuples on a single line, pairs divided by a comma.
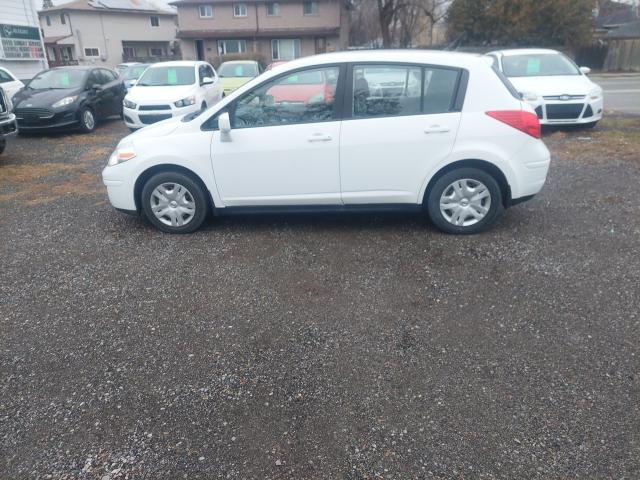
[(464, 201), (87, 120), (174, 202)]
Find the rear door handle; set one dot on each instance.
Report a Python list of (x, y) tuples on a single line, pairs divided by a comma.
[(436, 129), (319, 137)]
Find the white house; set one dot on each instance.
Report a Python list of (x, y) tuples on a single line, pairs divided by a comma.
[(21, 46)]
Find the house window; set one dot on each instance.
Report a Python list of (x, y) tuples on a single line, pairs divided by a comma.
[(310, 7), (206, 11), (62, 19), (226, 47), (287, 49), (129, 52), (91, 52), (239, 9), (48, 20), (273, 9), (156, 51), (155, 21)]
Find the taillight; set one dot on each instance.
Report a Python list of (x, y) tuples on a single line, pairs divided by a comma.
[(526, 122)]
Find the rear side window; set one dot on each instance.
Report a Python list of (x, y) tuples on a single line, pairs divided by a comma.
[(507, 83), (398, 90)]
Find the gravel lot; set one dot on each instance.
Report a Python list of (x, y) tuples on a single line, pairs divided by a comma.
[(347, 347)]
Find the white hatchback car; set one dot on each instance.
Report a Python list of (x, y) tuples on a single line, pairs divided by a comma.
[(171, 89), (447, 135), (9, 83), (558, 90)]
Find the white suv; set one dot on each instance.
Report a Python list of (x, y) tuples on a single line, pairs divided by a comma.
[(171, 89), (438, 132)]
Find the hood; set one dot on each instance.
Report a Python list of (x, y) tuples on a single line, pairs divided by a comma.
[(554, 85), (233, 82), (158, 95), (42, 98)]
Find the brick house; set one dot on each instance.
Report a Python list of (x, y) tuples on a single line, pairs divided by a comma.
[(270, 30)]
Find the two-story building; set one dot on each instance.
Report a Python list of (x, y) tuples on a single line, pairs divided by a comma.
[(108, 32), (272, 30)]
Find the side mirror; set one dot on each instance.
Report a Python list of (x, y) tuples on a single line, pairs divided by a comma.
[(224, 126), (585, 70), (207, 81)]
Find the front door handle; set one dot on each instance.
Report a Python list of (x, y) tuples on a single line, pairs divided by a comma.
[(436, 129), (319, 137)]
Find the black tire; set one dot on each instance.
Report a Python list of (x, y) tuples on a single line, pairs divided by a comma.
[(3, 145), (85, 125), (445, 181), (196, 191)]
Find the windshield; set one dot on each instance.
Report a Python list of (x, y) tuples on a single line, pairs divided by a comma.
[(168, 77), (538, 65), (133, 73), (237, 70), (57, 79)]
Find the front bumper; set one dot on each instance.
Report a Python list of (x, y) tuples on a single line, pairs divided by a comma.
[(8, 125), (571, 112), (57, 120), (136, 118)]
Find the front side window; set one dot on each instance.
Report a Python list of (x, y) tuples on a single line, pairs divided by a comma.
[(91, 52), (397, 90), (155, 21), (205, 11), (287, 49), (226, 47), (273, 9), (239, 10), (310, 7), (5, 77), (307, 96), (167, 76), (538, 65)]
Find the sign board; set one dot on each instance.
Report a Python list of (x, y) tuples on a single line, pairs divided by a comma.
[(18, 42)]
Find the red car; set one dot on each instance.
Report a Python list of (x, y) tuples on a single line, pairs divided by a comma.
[(304, 88)]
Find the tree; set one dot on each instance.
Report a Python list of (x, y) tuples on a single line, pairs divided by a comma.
[(520, 22)]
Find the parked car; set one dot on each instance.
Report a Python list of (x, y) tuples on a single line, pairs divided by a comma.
[(558, 90), (461, 148), (121, 67), (132, 74), (8, 124), (237, 73), (171, 89), (66, 97), (9, 83)]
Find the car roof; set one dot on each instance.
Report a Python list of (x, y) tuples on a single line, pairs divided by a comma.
[(77, 67), (235, 62), (438, 57), (177, 63), (524, 51)]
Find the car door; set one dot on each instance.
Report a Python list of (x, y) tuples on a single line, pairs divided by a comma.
[(400, 122), (111, 92), (95, 96), (284, 142)]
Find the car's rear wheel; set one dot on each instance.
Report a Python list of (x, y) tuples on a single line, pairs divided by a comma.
[(464, 201), (174, 202), (87, 120)]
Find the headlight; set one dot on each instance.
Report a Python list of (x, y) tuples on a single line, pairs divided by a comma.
[(65, 101), (185, 102), (595, 94), (529, 96), (129, 104), (121, 154)]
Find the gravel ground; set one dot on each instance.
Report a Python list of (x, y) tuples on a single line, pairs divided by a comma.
[(347, 347)]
